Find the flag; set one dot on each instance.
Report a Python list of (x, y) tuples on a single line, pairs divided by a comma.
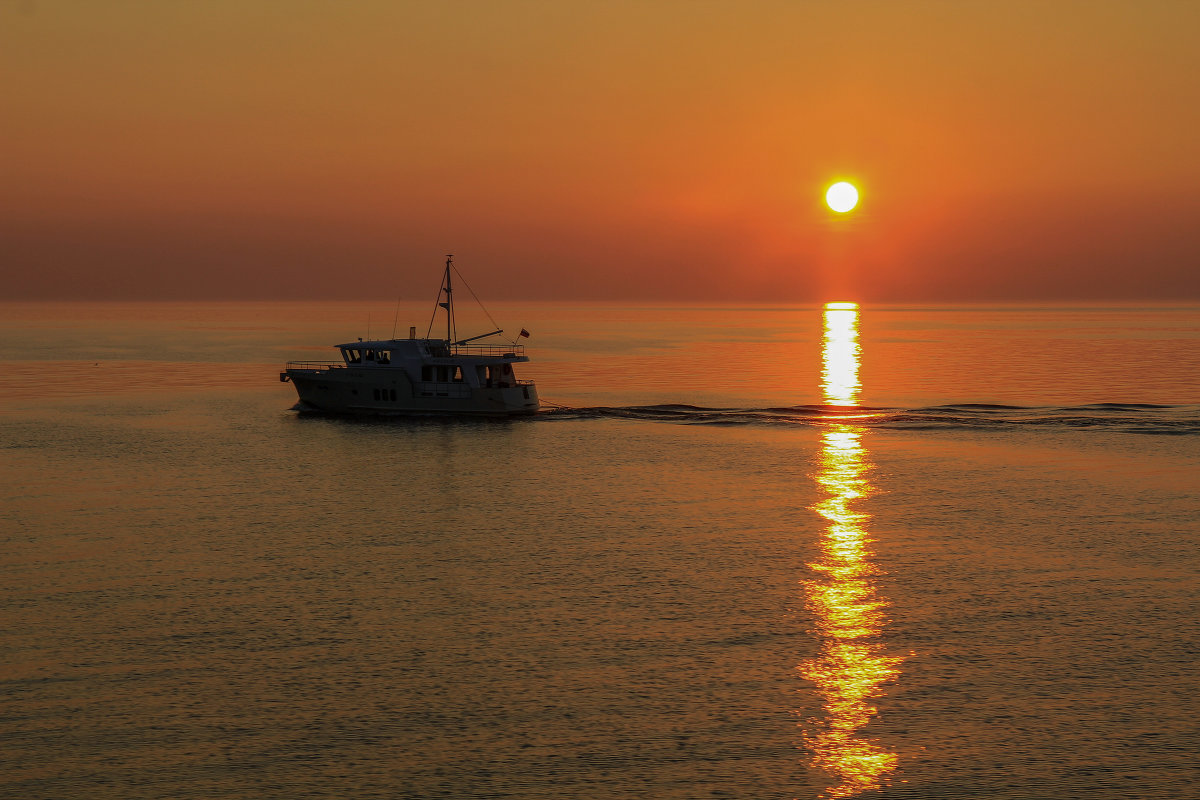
[(524, 333)]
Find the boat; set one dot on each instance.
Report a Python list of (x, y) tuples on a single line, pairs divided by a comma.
[(413, 376)]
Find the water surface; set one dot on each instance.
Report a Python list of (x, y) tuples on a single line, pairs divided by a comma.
[(761, 552)]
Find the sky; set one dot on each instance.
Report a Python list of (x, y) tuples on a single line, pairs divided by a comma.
[(643, 151)]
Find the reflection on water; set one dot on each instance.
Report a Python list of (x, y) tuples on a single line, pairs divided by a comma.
[(849, 612), (839, 368)]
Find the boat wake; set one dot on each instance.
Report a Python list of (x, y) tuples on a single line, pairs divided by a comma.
[(1144, 418)]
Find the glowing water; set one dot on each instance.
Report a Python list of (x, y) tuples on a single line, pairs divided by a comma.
[(206, 595)]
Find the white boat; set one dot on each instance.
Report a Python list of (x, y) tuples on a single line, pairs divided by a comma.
[(419, 376)]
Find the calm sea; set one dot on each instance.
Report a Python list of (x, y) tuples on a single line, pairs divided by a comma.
[(751, 552)]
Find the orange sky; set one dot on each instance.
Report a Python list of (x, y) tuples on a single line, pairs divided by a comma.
[(600, 150)]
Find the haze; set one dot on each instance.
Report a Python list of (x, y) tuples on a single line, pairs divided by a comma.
[(600, 150)]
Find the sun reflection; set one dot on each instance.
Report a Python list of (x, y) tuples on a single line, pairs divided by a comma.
[(839, 374), (852, 665)]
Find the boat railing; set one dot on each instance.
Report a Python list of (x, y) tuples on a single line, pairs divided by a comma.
[(315, 365), (488, 350)]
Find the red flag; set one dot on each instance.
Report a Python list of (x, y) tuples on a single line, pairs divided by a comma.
[(524, 333)]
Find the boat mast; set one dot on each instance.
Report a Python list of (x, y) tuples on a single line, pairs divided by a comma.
[(448, 288)]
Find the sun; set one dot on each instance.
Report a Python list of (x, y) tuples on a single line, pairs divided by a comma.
[(841, 197)]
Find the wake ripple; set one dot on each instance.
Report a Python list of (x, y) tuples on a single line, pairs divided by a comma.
[(1144, 418)]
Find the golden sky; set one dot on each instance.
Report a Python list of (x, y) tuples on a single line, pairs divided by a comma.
[(600, 150)]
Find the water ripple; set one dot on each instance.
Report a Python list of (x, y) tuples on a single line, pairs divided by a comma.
[(1143, 418)]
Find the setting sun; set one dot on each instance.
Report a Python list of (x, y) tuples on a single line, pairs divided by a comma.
[(841, 197)]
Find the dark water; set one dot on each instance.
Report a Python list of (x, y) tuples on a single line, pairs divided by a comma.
[(742, 562)]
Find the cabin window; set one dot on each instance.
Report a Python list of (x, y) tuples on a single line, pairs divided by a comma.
[(443, 374), (354, 356), (426, 373), (498, 375), (392, 394), (383, 357), (458, 376), (375, 392), (370, 355)]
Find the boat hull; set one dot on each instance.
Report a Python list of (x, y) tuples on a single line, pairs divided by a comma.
[(390, 393)]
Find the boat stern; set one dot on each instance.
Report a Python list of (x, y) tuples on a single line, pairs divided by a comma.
[(511, 400)]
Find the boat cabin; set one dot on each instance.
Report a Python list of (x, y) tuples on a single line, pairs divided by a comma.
[(438, 361)]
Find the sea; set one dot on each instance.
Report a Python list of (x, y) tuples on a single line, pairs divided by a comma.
[(745, 551)]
